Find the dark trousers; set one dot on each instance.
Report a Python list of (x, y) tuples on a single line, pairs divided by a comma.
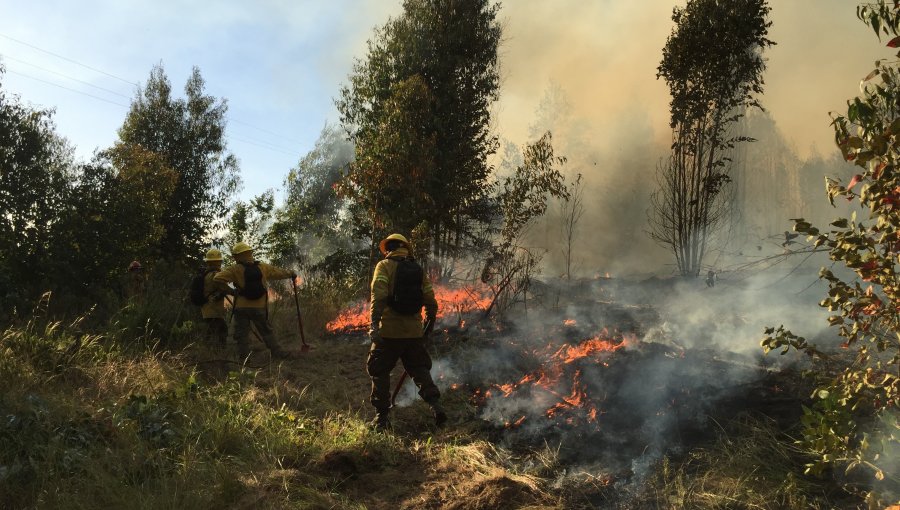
[(216, 331), (243, 317), (383, 357)]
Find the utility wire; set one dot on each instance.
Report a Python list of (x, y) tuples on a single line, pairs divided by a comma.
[(270, 146), (67, 59), (67, 88), (51, 71), (264, 130)]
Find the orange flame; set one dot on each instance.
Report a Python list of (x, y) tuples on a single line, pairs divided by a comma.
[(459, 301), (569, 391)]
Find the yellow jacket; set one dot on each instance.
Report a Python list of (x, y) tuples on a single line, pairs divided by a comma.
[(214, 308), (389, 323), (235, 274)]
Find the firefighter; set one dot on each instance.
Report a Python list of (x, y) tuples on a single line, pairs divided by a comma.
[(396, 329), (213, 308), (136, 282), (250, 277)]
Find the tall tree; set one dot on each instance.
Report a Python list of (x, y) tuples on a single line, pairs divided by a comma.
[(189, 134), (112, 213), (443, 53), (34, 166), (314, 214), (713, 65)]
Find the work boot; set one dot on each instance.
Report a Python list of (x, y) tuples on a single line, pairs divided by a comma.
[(382, 422), (440, 416)]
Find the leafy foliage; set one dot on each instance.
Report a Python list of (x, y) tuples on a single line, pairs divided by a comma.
[(522, 198), (34, 165), (435, 64), (853, 421), (189, 134), (314, 220), (713, 65)]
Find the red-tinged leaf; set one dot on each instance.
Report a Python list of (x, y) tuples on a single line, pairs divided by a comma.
[(854, 181), (894, 43), (845, 345), (851, 156), (878, 169)]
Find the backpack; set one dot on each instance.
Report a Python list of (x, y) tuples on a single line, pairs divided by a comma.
[(253, 284), (406, 296), (198, 283)]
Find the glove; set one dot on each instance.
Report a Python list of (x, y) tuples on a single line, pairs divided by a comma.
[(374, 335)]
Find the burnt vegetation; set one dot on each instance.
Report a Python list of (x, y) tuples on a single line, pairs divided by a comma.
[(568, 384)]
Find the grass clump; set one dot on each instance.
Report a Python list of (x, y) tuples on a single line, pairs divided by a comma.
[(752, 464)]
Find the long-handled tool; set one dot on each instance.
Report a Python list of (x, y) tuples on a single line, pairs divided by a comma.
[(305, 346), (403, 376)]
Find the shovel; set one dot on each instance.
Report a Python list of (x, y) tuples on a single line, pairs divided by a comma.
[(305, 346)]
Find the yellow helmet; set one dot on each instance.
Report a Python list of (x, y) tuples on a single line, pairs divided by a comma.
[(213, 255), (240, 247), (393, 237)]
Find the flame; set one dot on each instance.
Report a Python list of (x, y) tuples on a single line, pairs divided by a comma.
[(570, 402), (570, 322), (459, 301)]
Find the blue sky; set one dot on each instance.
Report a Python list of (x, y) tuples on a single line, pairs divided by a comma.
[(281, 63)]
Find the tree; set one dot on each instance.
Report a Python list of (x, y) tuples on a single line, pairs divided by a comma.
[(854, 421), (250, 222), (713, 65), (34, 168), (394, 163), (571, 209), (522, 198), (189, 134), (111, 214), (443, 52), (314, 216)]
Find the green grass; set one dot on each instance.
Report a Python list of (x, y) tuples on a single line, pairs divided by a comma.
[(114, 420), (752, 464)]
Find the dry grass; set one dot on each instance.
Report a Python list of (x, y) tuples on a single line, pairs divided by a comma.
[(118, 423), (752, 464)]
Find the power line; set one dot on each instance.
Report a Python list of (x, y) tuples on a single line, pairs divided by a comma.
[(89, 84), (268, 145), (67, 59), (271, 148), (264, 130), (67, 88)]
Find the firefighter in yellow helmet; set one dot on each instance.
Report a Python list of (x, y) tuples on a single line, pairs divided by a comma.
[(400, 289), (250, 277), (213, 307)]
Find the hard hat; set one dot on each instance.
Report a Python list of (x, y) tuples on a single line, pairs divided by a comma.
[(213, 255), (240, 247), (135, 266), (393, 237)]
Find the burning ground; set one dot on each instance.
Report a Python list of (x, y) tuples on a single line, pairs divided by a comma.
[(613, 376)]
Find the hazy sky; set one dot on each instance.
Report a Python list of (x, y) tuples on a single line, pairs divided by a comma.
[(280, 64)]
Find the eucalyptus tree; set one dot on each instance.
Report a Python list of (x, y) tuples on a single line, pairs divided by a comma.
[(713, 65)]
